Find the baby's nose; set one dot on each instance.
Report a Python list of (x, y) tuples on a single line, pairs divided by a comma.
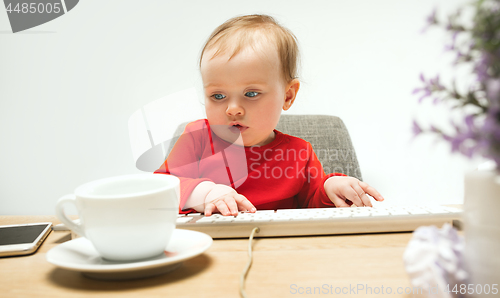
[(234, 108)]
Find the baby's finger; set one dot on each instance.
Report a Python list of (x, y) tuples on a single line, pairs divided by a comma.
[(371, 191), (353, 196), (209, 208), (366, 200), (338, 202), (231, 204), (222, 207), (245, 203), (361, 193)]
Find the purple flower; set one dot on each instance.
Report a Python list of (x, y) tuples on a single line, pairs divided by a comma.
[(469, 121), (479, 132), (437, 85), (434, 129), (449, 48), (427, 93), (416, 90), (429, 86), (457, 58), (416, 128), (493, 89), (430, 20), (481, 67), (454, 38)]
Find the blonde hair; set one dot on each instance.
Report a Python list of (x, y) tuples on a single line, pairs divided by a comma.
[(246, 29)]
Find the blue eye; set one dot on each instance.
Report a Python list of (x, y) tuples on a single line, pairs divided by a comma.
[(251, 94), (218, 96)]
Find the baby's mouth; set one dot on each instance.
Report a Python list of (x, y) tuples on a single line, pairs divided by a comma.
[(237, 128)]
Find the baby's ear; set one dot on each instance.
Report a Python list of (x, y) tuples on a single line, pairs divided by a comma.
[(290, 93)]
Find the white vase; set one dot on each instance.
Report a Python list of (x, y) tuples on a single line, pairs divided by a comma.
[(482, 230)]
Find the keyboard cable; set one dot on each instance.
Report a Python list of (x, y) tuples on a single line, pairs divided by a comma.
[(245, 272)]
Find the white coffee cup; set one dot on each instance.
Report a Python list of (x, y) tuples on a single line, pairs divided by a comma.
[(126, 218)]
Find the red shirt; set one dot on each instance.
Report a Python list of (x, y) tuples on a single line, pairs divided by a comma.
[(285, 173)]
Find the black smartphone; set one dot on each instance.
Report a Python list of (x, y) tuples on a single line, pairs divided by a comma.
[(22, 239)]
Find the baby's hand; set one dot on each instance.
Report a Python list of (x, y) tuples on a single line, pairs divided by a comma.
[(342, 188), (227, 201)]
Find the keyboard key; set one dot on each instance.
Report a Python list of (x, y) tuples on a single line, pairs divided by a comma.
[(281, 217), (341, 215), (417, 211), (261, 219), (437, 210), (205, 220), (184, 219), (224, 219), (321, 216), (398, 212), (301, 217), (451, 209), (380, 213), (263, 212), (361, 214), (357, 209), (289, 211), (242, 219), (245, 215)]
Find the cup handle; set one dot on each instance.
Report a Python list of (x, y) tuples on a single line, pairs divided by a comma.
[(77, 228)]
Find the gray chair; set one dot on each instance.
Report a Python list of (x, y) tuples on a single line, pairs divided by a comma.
[(328, 136)]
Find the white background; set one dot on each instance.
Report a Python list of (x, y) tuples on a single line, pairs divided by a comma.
[(68, 88)]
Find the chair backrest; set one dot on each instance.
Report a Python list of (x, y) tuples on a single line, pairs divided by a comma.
[(328, 136)]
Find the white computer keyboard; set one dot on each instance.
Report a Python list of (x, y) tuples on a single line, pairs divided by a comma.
[(320, 221)]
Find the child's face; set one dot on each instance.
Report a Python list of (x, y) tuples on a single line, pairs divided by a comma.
[(245, 94)]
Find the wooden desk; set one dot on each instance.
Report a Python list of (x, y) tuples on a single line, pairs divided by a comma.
[(282, 267)]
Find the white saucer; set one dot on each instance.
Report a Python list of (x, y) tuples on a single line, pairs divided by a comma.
[(80, 255)]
